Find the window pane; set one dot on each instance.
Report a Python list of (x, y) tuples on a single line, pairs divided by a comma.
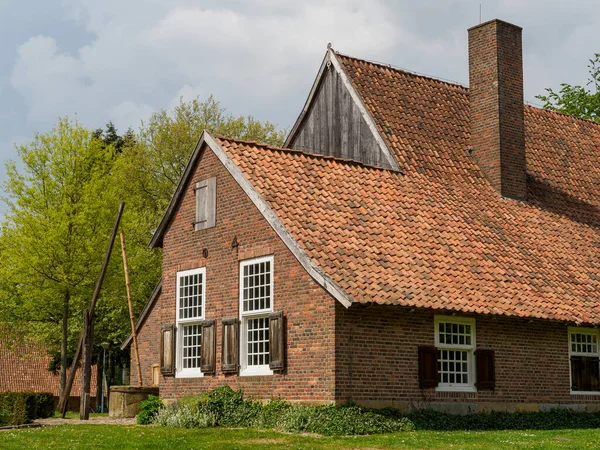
[(584, 343), (454, 334), (453, 367), (256, 287), (190, 347), (258, 341), (190, 296)]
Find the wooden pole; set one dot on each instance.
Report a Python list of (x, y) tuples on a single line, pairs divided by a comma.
[(86, 366), (130, 303), (66, 393)]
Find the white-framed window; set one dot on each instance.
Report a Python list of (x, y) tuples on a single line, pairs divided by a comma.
[(191, 301), (455, 342), (256, 303), (584, 360)]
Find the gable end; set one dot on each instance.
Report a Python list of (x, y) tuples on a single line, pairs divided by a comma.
[(335, 122)]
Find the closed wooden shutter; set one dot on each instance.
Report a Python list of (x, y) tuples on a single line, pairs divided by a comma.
[(206, 202), (276, 341), (230, 346), (585, 373), (486, 369), (428, 367), (167, 350), (208, 347)]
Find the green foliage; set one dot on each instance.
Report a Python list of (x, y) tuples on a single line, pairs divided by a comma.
[(555, 419), (148, 410), (227, 408), (577, 100), (17, 408)]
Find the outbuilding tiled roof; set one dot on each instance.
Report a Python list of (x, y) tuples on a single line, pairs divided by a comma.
[(438, 235), (25, 364)]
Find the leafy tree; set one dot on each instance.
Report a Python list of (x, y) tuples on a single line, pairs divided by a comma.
[(59, 215), (577, 100)]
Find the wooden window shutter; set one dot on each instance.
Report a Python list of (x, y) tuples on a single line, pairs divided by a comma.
[(167, 350), (428, 367), (208, 346), (230, 351), (276, 341), (585, 373), (206, 204), (486, 369)]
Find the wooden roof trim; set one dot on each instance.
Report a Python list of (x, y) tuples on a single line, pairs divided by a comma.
[(144, 314), (331, 58), (305, 261)]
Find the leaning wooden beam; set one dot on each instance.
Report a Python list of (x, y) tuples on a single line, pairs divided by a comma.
[(130, 303), (86, 365), (66, 393)]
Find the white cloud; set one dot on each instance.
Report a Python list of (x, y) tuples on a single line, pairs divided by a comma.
[(261, 57)]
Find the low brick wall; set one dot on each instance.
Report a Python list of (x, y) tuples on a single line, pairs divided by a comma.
[(125, 400)]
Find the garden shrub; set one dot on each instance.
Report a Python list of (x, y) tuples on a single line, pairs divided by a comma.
[(17, 408), (560, 418), (228, 408), (148, 410)]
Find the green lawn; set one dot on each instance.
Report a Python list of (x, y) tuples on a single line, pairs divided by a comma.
[(149, 437)]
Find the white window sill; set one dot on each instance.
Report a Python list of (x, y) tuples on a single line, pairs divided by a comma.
[(189, 374), (256, 371), (585, 392), (456, 389)]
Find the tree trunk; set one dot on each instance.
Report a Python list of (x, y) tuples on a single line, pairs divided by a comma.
[(65, 340)]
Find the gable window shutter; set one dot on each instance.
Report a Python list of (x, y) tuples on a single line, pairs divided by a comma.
[(208, 346), (206, 202), (167, 350), (276, 341), (486, 369), (428, 367), (230, 346)]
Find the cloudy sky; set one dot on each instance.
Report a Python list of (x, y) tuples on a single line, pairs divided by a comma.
[(120, 60)]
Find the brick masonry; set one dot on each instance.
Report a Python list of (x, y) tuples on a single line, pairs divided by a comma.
[(376, 361), (309, 310), (367, 354), (496, 102)]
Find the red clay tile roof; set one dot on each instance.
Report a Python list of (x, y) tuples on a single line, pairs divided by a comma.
[(25, 368), (439, 236)]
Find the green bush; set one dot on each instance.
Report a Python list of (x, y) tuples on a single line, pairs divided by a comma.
[(228, 408), (148, 410), (17, 408), (560, 418)]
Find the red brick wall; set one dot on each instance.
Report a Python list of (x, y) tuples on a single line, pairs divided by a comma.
[(377, 350), (309, 309), (496, 100)]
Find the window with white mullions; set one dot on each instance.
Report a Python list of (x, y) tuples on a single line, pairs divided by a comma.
[(191, 288), (584, 360), (455, 341), (256, 303)]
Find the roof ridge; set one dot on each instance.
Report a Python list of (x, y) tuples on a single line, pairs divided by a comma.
[(562, 114), (406, 71), (299, 152)]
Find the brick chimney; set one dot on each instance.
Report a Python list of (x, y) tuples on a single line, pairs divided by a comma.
[(496, 97)]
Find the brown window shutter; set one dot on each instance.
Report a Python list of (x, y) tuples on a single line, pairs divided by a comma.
[(428, 367), (208, 347), (230, 346), (167, 350), (585, 373), (486, 369), (276, 341)]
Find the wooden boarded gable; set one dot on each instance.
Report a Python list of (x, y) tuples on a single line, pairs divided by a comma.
[(334, 121)]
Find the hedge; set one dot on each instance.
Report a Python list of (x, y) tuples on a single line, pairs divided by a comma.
[(17, 408)]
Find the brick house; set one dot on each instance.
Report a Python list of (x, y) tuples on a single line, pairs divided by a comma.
[(416, 244)]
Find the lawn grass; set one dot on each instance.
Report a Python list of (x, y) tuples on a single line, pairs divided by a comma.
[(75, 414), (150, 437)]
